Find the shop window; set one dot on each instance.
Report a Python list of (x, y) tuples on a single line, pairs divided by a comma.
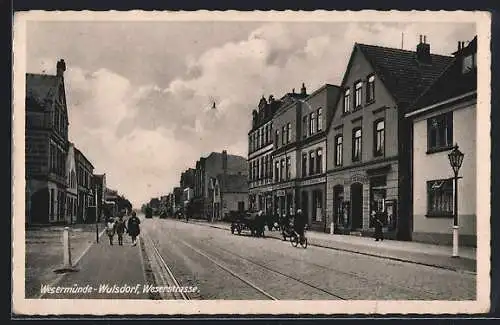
[(276, 171), (440, 132), (440, 198), (282, 170), (317, 206)]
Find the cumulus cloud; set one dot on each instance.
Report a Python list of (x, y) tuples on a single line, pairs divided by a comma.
[(143, 135)]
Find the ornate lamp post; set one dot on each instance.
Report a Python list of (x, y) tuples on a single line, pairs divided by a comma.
[(456, 158)]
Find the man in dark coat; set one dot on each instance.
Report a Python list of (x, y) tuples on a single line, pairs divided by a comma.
[(133, 227), (378, 224), (299, 224)]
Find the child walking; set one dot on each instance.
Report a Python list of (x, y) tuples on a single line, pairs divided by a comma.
[(120, 229), (110, 229)]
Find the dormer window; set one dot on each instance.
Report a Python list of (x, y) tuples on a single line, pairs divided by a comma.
[(469, 63)]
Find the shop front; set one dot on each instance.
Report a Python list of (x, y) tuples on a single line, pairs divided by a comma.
[(285, 199), (312, 203)]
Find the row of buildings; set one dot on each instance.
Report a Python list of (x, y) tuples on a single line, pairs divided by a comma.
[(378, 142), (61, 186), (216, 186)]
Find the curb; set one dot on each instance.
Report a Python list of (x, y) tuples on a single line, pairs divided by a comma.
[(75, 263), (443, 267)]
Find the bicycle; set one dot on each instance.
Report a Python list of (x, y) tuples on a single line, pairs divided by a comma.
[(294, 240)]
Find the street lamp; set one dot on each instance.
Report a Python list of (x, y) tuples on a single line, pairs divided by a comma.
[(456, 158)]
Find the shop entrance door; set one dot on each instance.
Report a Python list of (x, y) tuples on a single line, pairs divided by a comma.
[(356, 206)]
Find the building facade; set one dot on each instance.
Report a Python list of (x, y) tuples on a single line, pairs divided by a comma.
[(46, 147), (207, 169), (286, 122), (369, 138), (230, 194), (445, 116), (316, 111), (85, 193), (71, 186), (260, 147)]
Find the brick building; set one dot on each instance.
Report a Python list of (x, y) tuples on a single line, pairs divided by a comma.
[(46, 146), (85, 197), (316, 112), (369, 138), (260, 147), (441, 117)]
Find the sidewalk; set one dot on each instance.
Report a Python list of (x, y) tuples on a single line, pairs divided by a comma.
[(412, 252), (104, 271), (44, 252)]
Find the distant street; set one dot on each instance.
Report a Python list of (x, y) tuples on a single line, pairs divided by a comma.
[(226, 266)]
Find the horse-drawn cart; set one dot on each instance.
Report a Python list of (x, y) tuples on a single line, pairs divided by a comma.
[(252, 221)]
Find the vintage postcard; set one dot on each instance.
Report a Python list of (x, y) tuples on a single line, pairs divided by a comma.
[(251, 162)]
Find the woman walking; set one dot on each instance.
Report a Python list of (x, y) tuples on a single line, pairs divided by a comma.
[(110, 229), (133, 227)]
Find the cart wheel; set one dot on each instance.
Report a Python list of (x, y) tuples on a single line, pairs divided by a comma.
[(294, 240)]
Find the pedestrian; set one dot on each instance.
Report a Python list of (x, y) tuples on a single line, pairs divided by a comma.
[(120, 228), (110, 229), (378, 224), (134, 228)]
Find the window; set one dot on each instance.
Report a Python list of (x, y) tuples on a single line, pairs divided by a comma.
[(304, 164), (267, 134), (277, 171), (347, 100), (319, 161), (277, 138), (271, 132), (312, 122), (440, 197), (356, 147), (250, 170), (311, 162), (320, 119), (282, 170), (289, 132), (283, 135), (262, 137), (440, 131), (288, 168), (379, 138), (304, 127), (262, 168), (469, 63), (250, 149), (357, 94), (258, 139), (370, 89), (338, 150)]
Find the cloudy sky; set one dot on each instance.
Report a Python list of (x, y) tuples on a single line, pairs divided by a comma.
[(139, 93)]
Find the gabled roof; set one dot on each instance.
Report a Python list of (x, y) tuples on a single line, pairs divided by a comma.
[(233, 183), (450, 84), (402, 74), (41, 89)]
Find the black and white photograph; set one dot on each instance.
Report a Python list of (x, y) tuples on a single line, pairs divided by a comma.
[(251, 162)]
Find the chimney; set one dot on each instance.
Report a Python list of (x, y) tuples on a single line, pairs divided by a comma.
[(423, 51), (303, 89), (61, 67), (293, 90), (224, 161)]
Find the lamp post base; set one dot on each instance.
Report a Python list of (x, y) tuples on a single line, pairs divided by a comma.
[(455, 241)]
